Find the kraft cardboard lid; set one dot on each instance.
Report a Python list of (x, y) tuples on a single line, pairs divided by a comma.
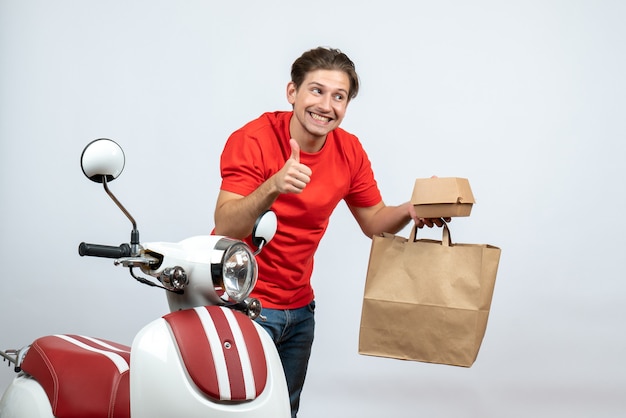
[(442, 190)]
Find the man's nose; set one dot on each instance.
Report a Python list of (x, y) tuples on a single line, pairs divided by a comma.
[(325, 102)]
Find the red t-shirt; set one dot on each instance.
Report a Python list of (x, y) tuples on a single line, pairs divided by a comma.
[(341, 170)]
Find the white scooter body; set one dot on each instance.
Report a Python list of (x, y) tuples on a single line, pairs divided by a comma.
[(160, 385), (25, 398), (161, 382), (203, 359)]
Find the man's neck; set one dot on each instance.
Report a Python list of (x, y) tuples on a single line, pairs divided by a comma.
[(308, 143)]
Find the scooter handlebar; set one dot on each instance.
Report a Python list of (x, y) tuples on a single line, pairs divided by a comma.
[(105, 251)]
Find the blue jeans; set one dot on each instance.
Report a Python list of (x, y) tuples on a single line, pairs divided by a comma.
[(292, 331)]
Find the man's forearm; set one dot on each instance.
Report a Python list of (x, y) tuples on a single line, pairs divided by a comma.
[(380, 218), (391, 219), (235, 215)]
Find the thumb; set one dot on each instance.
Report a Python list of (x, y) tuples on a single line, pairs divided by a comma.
[(295, 150)]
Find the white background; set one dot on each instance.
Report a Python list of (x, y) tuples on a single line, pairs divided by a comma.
[(524, 98)]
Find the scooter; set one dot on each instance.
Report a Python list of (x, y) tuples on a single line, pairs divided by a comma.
[(206, 358)]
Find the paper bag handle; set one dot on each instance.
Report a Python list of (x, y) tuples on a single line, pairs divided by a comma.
[(446, 238)]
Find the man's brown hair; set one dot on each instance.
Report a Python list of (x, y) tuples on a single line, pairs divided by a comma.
[(323, 58)]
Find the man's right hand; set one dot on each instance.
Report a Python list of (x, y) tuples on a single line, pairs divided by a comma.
[(294, 176), (235, 215)]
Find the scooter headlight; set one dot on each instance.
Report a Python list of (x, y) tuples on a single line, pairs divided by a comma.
[(237, 273)]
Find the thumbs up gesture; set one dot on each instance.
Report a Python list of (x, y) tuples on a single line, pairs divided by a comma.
[(293, 177), (295, 150)]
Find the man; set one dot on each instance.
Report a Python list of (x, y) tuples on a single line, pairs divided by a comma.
[(301, 165)]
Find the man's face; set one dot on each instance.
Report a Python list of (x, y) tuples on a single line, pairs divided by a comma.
[(319, 105)]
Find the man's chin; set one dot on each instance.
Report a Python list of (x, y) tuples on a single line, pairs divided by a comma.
[(319, 133)]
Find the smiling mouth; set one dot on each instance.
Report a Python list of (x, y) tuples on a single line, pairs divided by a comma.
[(320, 118)]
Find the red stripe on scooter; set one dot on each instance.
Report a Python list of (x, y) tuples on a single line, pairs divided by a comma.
[(231, 353), (243, 361), (195, 350), (255, 352)]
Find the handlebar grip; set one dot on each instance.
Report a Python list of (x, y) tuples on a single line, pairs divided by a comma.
[(105, 251)]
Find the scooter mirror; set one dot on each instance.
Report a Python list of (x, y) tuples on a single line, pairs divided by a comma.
[(102, 158), (264, 229)]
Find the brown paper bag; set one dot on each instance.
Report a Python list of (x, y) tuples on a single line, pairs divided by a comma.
[(427, 300)]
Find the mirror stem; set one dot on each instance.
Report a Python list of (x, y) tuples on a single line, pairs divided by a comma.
[(134, 235), (261, 244), (117, 202)]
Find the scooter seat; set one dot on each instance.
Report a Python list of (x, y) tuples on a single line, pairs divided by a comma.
[(82, 376)]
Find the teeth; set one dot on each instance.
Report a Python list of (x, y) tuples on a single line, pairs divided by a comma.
[(320, 118)]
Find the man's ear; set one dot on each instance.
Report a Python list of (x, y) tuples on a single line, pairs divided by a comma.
[(291, 92)]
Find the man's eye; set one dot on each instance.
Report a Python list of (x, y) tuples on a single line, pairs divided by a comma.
[(316, 90), (338, 97)]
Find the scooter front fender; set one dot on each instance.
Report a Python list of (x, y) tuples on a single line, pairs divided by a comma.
[(161, 384)]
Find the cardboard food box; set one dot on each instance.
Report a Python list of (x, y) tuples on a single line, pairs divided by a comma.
[(442, 197)]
